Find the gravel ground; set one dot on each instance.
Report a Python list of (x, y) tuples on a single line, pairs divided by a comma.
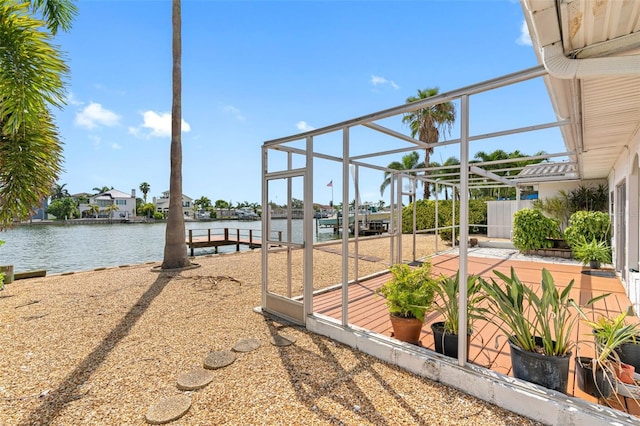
[(101, 347)]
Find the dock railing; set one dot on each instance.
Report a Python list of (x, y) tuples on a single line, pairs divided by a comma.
[(216, 237)]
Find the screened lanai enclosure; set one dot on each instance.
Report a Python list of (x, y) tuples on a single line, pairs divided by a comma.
[(357, 152)]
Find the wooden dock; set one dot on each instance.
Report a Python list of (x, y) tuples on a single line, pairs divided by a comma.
[(211, 237)]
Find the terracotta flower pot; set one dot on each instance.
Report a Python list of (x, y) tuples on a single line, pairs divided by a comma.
[(624, 372), (406, 329)]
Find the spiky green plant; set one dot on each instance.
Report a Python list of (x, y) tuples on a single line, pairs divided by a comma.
[(524, 315), (448, 303)]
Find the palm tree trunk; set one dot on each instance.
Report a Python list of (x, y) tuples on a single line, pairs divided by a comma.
[(175, 248), (427, 157)]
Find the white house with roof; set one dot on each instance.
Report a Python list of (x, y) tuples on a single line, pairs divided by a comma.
[(162, 204), (125, 205)]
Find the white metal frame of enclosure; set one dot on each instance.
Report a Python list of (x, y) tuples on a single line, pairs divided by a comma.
[(460, 180)]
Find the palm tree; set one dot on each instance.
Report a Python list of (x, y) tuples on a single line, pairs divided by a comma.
[(101, 190), (451, 161), (59, 192), (175, 247), (202, 203), (111, 208), (32, 79), (427, 123), (144, 188), (409, 162), (93, 210)]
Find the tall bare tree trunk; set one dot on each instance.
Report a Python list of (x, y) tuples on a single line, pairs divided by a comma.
[(175, 247)]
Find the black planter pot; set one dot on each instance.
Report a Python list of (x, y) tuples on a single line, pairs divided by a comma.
[(598, 384), (549, 371), (445, 343), (629, 353)]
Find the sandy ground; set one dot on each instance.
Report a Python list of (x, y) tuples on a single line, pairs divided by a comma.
[(101, 347)]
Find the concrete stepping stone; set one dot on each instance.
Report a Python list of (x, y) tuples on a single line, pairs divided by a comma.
[(168, 409), (195, 379), (219, 359), (282, 340), (246, 345)]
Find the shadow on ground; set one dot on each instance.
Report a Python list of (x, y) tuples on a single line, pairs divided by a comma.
[(67, 392)]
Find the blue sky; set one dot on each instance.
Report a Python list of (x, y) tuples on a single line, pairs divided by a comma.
[(259, 70)]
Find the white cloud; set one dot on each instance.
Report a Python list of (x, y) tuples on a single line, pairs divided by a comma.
[(230, 109), (525, 37), (156, 125), (71, 100), (377, 80), (116, 146), (304, 126), (94, 115)]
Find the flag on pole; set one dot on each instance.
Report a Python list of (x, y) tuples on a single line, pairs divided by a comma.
[(330, 183)]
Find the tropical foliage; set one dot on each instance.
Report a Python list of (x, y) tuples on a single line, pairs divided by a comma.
[(592, 251), (93, 210), (147, 210), (32, 74), (448, 303), (494, 162), (110, 209), (409, 162), (64, 208), (145, 188), (588, 226), (532, 230), (426, 214), (522, 314), (102, 189), (429, 123), (583, 198), (59, 191), (410, 292)]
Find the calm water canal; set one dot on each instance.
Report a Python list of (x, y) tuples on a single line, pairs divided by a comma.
[(68, 248)]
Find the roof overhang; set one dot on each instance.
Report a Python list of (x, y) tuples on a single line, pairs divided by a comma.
[(591, 50)]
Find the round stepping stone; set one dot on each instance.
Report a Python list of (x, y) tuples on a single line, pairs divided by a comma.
[(168, 409), (195, 379), (219, 359), (282, 340), (246, 345)]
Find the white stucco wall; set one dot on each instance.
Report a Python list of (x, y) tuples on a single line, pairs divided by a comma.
[(551, 189), (625, 171)]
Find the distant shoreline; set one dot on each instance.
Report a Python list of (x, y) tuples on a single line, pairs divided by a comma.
[(115, 221)]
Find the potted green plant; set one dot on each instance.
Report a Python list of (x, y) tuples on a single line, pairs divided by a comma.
[(593, 253), (538, 326), (409, 295), (447, 303), (596, 375)]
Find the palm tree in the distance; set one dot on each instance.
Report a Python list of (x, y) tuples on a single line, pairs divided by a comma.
[(59, 192), (428, 123), (144, 188), (408, 163), (101, 190)]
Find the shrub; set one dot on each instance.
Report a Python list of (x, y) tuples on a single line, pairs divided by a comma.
[(158, 215), (587, 226), (410, 293), (531, 229), (426, 214)]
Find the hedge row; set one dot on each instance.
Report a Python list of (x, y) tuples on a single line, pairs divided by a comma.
[(426, 216)]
